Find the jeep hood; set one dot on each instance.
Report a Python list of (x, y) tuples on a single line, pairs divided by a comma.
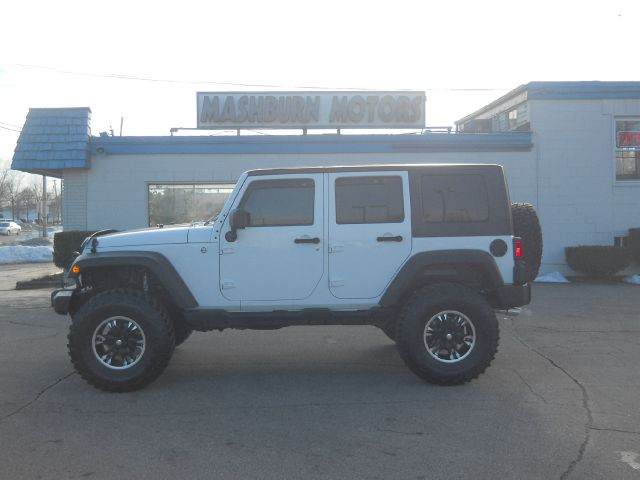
[(147, 236)]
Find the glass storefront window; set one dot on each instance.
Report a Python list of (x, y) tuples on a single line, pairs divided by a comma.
[(186, 202), (628, 149)]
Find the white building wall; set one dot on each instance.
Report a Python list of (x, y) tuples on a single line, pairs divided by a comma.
[(74, 206), (580, 202), (118, 184)]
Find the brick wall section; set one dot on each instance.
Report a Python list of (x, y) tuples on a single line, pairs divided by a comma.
[(581, 202)]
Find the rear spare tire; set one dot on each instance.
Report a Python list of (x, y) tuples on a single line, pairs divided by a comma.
[(526, 225)]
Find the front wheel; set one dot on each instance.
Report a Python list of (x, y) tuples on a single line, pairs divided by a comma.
[(120, 340), (447, 334), (182, 330)]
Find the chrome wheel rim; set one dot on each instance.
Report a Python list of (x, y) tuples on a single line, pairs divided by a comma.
[(449, 336), (118, 343)]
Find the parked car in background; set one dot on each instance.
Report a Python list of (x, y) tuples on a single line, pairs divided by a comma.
[(10, 228)]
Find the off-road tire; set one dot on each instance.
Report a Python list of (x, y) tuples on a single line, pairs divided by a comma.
[(182, 332), (424, 305), (389, 330), (147, 313), (526, 225)]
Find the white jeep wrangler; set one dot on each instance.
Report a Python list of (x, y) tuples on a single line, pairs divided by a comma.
[(425, 252)]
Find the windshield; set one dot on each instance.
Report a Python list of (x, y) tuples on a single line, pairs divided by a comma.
[(4, 224)]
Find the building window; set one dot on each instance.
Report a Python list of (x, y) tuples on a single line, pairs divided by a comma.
[(628, 149), (276, 203), (186, 202)]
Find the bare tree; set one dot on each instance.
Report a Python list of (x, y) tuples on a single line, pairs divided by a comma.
[(36, 188), (4, 174), (56, 202), (12, 189), (27, 201)]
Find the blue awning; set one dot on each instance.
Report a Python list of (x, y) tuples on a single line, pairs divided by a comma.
[(53, 139)]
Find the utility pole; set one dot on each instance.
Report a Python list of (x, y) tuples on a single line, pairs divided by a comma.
[(44, 207), (54, 216)]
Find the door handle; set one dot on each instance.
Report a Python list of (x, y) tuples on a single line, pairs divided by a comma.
[(307, 240), (397, 238)]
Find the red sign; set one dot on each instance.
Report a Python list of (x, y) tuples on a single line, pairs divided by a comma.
[(628, 139)]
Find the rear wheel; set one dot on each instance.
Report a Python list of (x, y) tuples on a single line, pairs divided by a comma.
[(120, 340), (447, 334)]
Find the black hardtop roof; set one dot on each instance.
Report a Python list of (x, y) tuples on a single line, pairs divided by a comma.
[(374, 168)]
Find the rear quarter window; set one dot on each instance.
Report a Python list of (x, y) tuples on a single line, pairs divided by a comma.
[(454, 198), (459, 201)]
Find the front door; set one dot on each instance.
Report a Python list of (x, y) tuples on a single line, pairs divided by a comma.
[(369, 231), (280, 254)]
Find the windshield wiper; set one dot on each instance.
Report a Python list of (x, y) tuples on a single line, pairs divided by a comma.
[(212, 219)]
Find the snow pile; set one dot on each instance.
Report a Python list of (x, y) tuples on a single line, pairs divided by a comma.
[(553, 277), (633, 279), (24, 254)]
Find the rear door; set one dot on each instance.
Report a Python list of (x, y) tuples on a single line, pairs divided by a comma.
[(369, 231)]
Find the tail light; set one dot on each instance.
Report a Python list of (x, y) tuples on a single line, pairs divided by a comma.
[(518, 251)]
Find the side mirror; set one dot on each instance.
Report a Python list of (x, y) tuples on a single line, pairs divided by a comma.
[(238, 219)]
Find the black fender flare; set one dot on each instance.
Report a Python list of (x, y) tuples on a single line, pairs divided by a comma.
[(155, 262), (404, 281)]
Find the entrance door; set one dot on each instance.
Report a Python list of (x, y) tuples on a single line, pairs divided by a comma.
[(279, 255), (369, 231)]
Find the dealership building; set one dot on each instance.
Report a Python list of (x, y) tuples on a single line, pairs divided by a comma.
[(572, 149)]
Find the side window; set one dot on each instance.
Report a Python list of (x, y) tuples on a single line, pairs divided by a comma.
[(273, 203), (371, 199), (454, 198)]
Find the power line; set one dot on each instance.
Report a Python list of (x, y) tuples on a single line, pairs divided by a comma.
[(118, 76), (7, 128), (149, 79)]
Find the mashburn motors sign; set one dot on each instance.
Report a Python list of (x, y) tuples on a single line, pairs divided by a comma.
[(235, 110)]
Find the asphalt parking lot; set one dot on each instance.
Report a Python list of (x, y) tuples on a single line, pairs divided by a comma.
[(561, 400)]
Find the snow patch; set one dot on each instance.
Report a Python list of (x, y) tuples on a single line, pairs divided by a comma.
[(553, 277), (633, 279), (24, 254)]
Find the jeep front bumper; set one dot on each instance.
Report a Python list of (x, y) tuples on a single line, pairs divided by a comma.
[(61, 299)]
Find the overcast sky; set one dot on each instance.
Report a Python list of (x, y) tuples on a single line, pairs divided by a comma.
[(145, 61)]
